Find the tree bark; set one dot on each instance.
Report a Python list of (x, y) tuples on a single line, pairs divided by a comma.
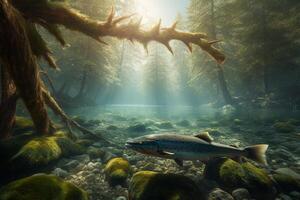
[(221, 77), (8, 104), (17, 57)]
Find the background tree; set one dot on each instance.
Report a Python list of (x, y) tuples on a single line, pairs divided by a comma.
[(18, 31)]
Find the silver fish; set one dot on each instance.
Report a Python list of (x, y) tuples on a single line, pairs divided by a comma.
[(199, 147)]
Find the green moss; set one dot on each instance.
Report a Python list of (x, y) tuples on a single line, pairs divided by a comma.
[(148, 185), (284, 127), (22, 125), (117, 171), (233, 175), (46, 187), (39, 151), (43, 150)]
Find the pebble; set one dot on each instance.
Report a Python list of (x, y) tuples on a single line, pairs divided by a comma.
[(218, 194), (121, 198), (60, 173), (241, 194)]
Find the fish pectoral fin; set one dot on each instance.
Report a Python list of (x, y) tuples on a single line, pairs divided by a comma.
[(179, 162), (165, 153), (205, 136)]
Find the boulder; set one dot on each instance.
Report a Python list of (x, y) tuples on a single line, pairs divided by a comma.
[(117, 171), (231, 175), (41, 186), (287, 179), (284, 127), (140, 128), (43, 150), (148, 185)]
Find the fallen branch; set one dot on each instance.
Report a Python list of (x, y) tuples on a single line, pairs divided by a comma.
[(59, 14)]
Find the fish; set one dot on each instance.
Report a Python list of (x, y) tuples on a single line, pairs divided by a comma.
[(198, 147)]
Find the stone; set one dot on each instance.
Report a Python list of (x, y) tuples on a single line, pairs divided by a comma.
[(232, 174), (41, 186), (84, 158), (60, 173), (148, 185), (117, 171), (241, 194), (218, 194)]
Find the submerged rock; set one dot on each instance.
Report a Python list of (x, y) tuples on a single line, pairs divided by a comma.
[(46, 187), (137, 128), (241, 194), (117, 171), (43, 150), (218, 194), (148, 185), (287, 179), (232, 174), (165, 125), (184, 123), (284, 127), (60, 173)]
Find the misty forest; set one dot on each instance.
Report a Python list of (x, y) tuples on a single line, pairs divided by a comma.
[(149, 100)]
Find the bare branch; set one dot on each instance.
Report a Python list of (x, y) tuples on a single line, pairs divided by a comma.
[(59, 14)]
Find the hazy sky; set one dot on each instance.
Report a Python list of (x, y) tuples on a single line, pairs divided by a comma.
[(164, 9)]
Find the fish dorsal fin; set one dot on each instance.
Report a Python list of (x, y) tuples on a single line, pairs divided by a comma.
[(205, 136)]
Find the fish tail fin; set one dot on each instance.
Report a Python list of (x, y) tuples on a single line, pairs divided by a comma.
[(257, 153)]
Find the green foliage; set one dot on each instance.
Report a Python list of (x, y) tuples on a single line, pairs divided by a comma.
[(45, 187)]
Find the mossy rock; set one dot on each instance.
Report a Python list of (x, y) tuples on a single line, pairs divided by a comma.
[(43, 150), (117, 171), (287, 180), (112, 128), (231, 174), (284, 127), (79, 120), (95, 153), (46, 187), (148, 185), (23, 124), (11, 146)]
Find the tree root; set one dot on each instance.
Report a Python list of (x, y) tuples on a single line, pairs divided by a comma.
[(51, 103)]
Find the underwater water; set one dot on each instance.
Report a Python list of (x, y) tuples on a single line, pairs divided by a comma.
[(188, 100)]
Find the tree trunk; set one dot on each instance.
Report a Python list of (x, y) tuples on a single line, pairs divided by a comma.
[(221, 77), (18, 59), (8, 104), (223, 86), (82, 85)]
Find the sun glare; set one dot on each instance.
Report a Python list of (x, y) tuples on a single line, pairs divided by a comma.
[(153, 11)]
